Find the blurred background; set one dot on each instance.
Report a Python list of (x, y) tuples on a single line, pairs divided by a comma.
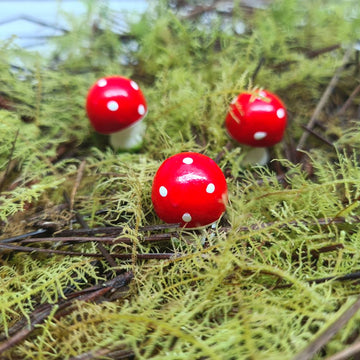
[(30, 23)]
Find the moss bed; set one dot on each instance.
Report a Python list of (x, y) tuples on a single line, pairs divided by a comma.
[(87, 269)]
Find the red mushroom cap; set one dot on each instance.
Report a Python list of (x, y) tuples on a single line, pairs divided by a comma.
[(256, 119), (115, 103), (190, 189)]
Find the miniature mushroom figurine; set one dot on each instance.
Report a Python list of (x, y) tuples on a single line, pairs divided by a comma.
[(190, 189), (115, 105), (258, 120)]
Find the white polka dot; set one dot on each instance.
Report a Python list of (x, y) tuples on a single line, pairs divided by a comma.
[(233, 101), (134, 85), (188, 160), (163, 191), (210, 188), (112, 105), (141, 109), (262, 93), (102, 82), (280, 113), (260, 135), (186, 217)]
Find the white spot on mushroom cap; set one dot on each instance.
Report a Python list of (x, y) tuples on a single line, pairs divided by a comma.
[(259, 135), (163, 191), (102, 83), (186, 217), (262, 93), (112, 105), (141, 109), (188, 160), (280, 113), (134, 85), (210, 188)]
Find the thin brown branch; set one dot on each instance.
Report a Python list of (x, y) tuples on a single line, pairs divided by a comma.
[(10, 163), (324, 98), (86, 235), (328, 333), (103, 239), (315, 53), (145, 256), (79, 177), (347, 353), (83, 223), (318, 136), (108, 353), (198, 11), (347, 277), (18, 238), (116, 230), (257, 69), (24, 328), (321, 222), (37, 318), (349, 101), (221, 154)]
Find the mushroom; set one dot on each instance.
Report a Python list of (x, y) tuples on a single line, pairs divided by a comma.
[(190, 189), (115, 105), (258, 120)]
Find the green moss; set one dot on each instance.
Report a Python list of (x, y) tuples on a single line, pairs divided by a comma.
[(240, 290)]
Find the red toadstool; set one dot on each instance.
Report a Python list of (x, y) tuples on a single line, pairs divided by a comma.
[(256, 119), (115, 105), (189, 188)]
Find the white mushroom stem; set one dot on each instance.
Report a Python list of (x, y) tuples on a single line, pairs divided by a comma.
[(257, 156), (129, 138)]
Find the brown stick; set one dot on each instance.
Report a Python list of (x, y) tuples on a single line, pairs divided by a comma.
[(79, 177), (324, 98), (326, 335), (10, 163), (40, 314), (320, 137), (100, 246), (107, 353), (146, 256), (349, 101), (347, 353), (103, 239)]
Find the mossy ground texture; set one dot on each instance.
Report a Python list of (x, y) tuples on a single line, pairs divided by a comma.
[(282, 264)]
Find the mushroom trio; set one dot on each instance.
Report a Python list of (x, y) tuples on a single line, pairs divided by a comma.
[(115, 105), (190, 189)]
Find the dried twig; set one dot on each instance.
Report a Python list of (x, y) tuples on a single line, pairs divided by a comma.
[(10, 163), (23, 329), (257, 69), (321, 222), (346, 353), (79, 177), (101, 248), (324, 98), (347, 277), (115, 231), (320, 137), (349, 101), (314, 53), (198, 11), (145, 256), (328, 333), (103, 239), (22, 236), (108, 353)]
